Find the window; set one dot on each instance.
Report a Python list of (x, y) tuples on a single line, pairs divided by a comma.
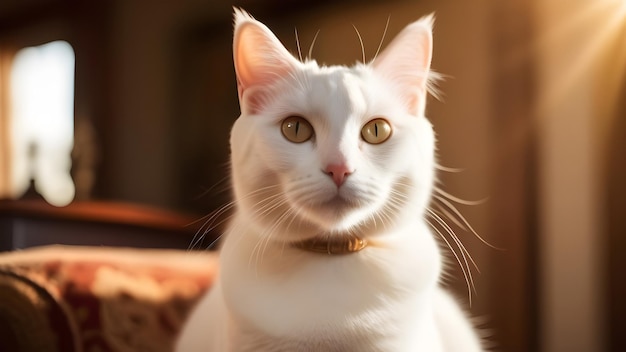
[(38, 123)]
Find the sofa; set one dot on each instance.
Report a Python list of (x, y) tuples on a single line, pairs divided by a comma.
[(98, 299)]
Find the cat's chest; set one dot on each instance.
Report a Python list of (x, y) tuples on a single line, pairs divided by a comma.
[(363, 343), (290, 293), (381, 336)]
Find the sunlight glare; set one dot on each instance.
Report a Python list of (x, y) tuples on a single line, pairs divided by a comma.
[(601, 28)]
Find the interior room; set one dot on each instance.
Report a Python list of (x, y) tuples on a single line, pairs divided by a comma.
[(530, 128)]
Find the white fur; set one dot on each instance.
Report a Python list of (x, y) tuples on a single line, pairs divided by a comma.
[(271, 296)]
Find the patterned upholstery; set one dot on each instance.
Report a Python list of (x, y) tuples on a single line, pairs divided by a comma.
[(71, 299)]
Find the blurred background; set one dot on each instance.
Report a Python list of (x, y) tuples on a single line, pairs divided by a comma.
[(131, 102)]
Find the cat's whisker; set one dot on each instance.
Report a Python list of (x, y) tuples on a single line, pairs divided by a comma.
[(296, 214), (447, 169), (298, 44), (463, 251), (256, 251), (281, 220), (382, 39), (217, 214), (463, 270), (380, 215), (462, 218), (270, 191), (465, 257), (399, 196), (234, 230), (385, 216), (197, 238), (264, 236), (452, 234), (373, 219), (267, 235), (398, 200), (310, 57), (269, 206), (249, 195), (214, 242), (216, 225), (264, 202), (459, 244), (214, 189), (360, 41), (445, 213), (209, 225), (202, 218), (459, 200)]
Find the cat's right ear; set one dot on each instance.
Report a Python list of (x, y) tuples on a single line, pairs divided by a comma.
[(406, 62), (260, 60)]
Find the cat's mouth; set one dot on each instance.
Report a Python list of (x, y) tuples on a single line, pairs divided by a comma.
[(340, 203), (332, 212)]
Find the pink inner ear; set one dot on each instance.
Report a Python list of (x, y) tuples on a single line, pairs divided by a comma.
[(239, 89), (413, 103), (406, 62), (252, 101), (260, 61)]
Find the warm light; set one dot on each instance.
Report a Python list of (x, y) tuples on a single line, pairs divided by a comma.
[(42, 121), (600, 26), (581, 65)]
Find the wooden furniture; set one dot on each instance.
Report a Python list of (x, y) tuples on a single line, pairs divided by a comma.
[(29, 223)]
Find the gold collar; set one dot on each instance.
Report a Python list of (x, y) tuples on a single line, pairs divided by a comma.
[(333, 245)]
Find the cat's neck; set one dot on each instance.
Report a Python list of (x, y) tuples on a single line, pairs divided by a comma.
[(333, 245)]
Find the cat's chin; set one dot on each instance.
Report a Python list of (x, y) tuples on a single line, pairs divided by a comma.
[(336, 215)]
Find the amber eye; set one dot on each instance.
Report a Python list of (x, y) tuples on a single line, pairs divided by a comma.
[(376, 131), (296, 129)]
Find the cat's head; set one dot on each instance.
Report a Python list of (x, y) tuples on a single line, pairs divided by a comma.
[(331, 149)]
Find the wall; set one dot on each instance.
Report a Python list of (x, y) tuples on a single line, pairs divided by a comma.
[(581, 61), (141, 113)]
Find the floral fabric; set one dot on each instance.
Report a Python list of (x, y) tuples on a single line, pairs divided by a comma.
[(98, 299)]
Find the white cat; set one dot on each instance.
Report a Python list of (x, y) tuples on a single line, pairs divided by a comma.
[(332, 169)]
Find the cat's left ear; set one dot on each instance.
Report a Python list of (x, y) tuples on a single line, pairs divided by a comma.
[(406, 62), (260, 60)]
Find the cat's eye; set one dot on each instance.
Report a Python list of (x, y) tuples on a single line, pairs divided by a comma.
[(297, 129), (376, 131)]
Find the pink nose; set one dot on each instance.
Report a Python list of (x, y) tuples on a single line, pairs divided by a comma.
[(338, 172)]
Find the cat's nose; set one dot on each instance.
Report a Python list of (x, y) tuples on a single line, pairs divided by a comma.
[(338, 172)]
